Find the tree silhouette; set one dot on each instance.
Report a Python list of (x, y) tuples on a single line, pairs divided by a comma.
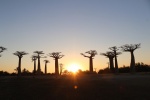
[(115, 49), (20, 55), (131, 48), (92, 54), (39, 55), (25, 72), (110, 55), (2, 49), (34, 58), (61, 68), (16, 69), (56, 56), (46, 61)]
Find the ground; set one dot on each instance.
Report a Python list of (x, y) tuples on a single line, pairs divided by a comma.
[(83, 87)]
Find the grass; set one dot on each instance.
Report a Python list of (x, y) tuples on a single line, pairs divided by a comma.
[(84, 87)]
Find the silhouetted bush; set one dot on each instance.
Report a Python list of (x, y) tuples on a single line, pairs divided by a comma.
[(139, 67), (25, 72), (104, 71), (86, 72), (13, 74), (124, 69), (4, 73)]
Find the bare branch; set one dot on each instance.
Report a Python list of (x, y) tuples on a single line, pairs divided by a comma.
[(130, 48), (114, 48), (84, 55), (137, 46), (2, 49), (20, 53), (46, 61), (56, 55), (38, 52), (91, 52), (108, 54), (60, 56)]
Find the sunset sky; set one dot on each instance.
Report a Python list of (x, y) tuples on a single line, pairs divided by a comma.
[(73, 27)]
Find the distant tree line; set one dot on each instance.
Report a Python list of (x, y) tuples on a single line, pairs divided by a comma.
[(113, 54), (36, 56)]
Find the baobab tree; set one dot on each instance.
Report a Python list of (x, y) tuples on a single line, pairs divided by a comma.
[(131, 48), (92, 54), (34, 58), (56, 56), (115, 49), (46, 61), (110, 55), (20, 55), (39, 55), (2, 49)]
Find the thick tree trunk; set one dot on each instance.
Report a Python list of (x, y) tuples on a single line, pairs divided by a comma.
[(111, 64), (132, 64), (39, 66), (56, 67), (19, 67), (116, 63), (91, 64), (45, 68), (34, 71)]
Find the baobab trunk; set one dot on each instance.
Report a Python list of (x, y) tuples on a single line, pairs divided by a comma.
[(19, 66), (39, 66), (111, 64), (116, 64), (132, 64), (45, 68), (34, 67), (91, 64), (56, 67)]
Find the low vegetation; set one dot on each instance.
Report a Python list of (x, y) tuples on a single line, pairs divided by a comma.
[(139, 67)]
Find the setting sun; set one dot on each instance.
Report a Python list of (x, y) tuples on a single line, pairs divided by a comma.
[(73, 67)]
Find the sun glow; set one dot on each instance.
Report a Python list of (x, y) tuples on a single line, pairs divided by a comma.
[(73, 67)]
